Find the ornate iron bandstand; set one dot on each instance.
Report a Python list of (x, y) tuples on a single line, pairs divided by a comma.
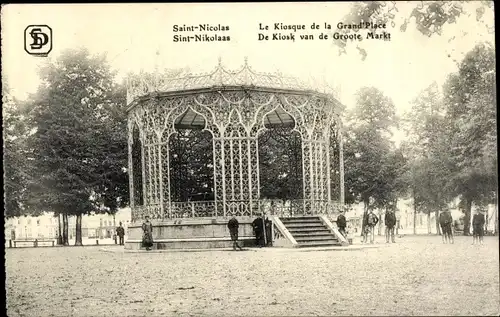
[(234, 108)]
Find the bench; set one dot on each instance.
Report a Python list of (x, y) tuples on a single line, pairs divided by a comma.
[(35, 242)]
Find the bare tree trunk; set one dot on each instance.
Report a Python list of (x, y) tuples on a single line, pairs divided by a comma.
[(429, 223), (468, 208), (496, 219), (365, 212), (59, 238), (438, 232), (495, 230), (414, 212), (65, 229), (114, 227), (379, 223), (78, 231)]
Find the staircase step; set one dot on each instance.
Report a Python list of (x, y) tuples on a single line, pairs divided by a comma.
[(300, 230), (315, 238), (325, 233), (323, 243), (307, 226), (299, 218), (301, 224)]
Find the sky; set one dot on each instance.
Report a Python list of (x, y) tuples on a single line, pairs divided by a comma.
[(131, 34)]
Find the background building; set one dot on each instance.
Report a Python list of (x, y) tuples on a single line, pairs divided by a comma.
[(46, 226)]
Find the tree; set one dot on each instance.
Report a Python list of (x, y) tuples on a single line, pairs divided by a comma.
[(470, 98), (426, 132), (429, 17), (15, 161), (111, 192), (373, 164), (74, 148)]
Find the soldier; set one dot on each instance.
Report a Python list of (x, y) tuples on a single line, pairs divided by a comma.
[(390, 222), (120, 232), (233, 226), (478, 222), (370, 221), (446, 221), (258, 229), (342, 223)]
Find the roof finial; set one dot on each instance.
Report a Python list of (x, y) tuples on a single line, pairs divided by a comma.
[(220, 61), (246, 60)]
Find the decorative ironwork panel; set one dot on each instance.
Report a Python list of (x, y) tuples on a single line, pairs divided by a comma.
[(219, 176), (193, 209), (165, 177), (334, 165), (254, 173), (237, 194), (323, 171), (136, 171), (307, 175)]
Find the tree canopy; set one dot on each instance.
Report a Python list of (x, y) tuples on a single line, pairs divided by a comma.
[(451, 138), (77, 151), (372, 163), (430, 18)]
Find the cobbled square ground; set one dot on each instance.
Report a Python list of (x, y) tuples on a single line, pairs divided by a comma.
[(415, 276)]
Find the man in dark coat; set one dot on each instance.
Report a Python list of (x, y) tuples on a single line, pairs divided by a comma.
[(390, 221), (342, 224), (120, 232), (233, 226), (370, 221), (446, 221), (478, 222), (269, 232), (258, 229)]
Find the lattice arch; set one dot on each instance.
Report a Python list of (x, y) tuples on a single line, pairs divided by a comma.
[(234, 107)]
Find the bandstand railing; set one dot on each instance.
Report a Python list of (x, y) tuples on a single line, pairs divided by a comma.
[(295, 207), (193, 209), (206, 209)]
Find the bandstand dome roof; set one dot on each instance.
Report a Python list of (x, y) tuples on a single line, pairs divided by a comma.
[(143, 85)]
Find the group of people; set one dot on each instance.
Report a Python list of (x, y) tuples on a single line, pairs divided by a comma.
[(259, 226), (446, 223), (370, 220), (147, 234)]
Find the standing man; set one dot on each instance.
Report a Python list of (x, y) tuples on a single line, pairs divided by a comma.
[(390, 221), (371, 221), (120, 232), (233, 226), (342, 223), (258, 229), (446, 222), (478, 222)]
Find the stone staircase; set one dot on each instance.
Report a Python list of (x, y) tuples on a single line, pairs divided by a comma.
[(310, 232)]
